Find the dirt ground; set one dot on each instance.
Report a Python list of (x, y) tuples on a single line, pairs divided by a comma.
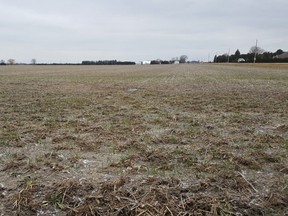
[(203, 139)]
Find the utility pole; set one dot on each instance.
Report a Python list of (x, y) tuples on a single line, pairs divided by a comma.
[(256, 50), (228, 55)]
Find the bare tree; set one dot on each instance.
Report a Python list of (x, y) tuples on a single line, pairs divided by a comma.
[(33, 61), (174, 60), (256, 50), (183, 58), (11, 61)]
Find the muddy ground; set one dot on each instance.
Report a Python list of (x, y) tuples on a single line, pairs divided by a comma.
[(199, 139)]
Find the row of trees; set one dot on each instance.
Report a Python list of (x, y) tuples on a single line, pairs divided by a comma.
[(108, 62), (13, 61), (9, 61), (181, 59), (105, 62), (257, 53)]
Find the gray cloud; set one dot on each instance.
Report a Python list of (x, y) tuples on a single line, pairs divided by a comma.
[(73, 30)]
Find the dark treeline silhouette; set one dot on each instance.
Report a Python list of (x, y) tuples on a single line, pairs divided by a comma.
[(56, 64), (176, 60), (108, 62), (171, 62), (160, 62), (261, 57)]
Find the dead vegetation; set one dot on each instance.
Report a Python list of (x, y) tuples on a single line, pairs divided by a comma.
[(188, 140), (218, 195)]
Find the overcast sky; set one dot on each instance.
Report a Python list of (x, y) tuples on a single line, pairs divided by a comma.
[(73, 30)]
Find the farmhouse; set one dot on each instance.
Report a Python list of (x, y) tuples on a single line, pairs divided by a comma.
[(283, 55), (241, 60), (145, 62)]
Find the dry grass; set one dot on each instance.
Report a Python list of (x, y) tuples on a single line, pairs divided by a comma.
[(144, 140)]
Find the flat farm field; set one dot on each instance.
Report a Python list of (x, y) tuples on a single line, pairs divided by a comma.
[(199, 139)]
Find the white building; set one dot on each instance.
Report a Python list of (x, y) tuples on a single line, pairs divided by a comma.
[(241, 60), (283, 55), (145, 62)]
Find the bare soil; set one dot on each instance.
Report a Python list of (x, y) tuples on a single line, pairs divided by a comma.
[(200, 139)]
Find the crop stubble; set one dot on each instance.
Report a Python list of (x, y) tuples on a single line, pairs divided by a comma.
[(144, 140)]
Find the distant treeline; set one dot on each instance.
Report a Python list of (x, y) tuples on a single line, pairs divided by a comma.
[(260, 57), (172, 62), (43, 64), (160, 62), (108, 62)]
